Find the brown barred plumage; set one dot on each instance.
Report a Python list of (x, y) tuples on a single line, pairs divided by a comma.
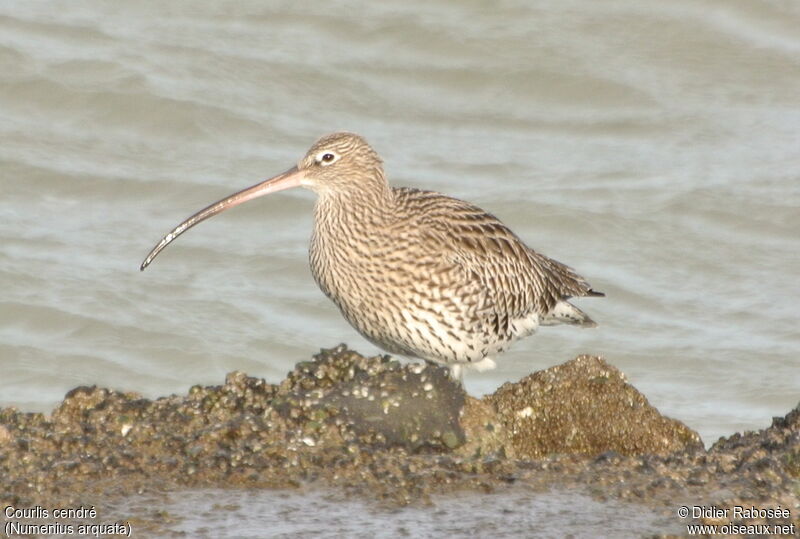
[(416, 272)]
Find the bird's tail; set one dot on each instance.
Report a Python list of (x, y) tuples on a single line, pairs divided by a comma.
[(566, 313)]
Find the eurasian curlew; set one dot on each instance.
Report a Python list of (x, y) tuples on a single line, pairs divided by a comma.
[(416, 272)]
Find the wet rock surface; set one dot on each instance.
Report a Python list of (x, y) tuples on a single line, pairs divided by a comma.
[(393, 433)]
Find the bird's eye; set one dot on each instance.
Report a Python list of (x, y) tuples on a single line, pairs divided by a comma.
[(326, 158)]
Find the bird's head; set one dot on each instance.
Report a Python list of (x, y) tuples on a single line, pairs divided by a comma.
[(337, 164), (340, 163)]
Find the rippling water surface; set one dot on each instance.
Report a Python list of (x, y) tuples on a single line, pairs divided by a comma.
[(517, 512), (652, 146)]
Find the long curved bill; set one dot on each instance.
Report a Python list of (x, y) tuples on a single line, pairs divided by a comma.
[(287, 180)]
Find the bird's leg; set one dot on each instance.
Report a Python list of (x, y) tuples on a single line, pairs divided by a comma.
[(457, 372)]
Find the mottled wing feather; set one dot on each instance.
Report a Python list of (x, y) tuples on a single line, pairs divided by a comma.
[(519, 280)]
